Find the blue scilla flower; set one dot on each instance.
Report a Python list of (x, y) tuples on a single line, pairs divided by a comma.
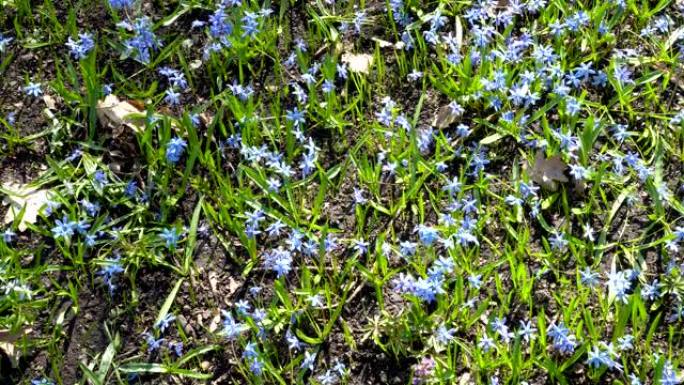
[(100, 179), (165, 322), (153, 344), (131, 189), (256, 366), (250, 25), (172, 97), (278, 261), (619, 285), (110, 271), (444, 335), (143, 42), (669, 375), (175, 149), (170, 236), (219, 25), (427, 289), (563, 340), (63, 228), (42, 381), (80, 48), (33, 89), (231, 328), (120, 4), (8, 235), (4, 42)]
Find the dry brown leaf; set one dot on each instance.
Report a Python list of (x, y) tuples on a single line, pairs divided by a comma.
[(360, 63), (213, 325), (50, 102), (233, 285), (7, 340), (546, 172), (139, 104), (213, 280), (114, 112), (20, 196), (444, 117), (206, 118)]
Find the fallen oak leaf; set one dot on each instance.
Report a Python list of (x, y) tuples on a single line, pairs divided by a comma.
[(50, 102), (546, 172), (446, 115), (114, 112), (20, 196)]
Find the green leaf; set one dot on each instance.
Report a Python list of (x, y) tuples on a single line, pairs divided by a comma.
[(168, 302)]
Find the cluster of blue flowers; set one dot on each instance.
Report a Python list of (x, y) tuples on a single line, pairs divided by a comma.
[(563, 341), (175, 149), (143, 42), (80, 48)]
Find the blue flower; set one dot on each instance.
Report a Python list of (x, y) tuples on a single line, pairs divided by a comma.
[(63, 228), (278, 261), (33, 89), (328, 378), (623, 75), (427, 234), (100, 179), (170, 236), (80, 49), (292, 342), (596, 357), (42, 381), (572, 106), (444, 335), (578, 172), (619, 285), (527, 331), (8, 235), (669, 376), (558, 241), (119, 4), (172, 97), (143, 42), (219, 26), (231, 329), (651, 291), (589, 278), (486, 343), (309, 361), (295, 116), (175, 149), (165, 322), (153, 344), (563, 340), (360, 246), (109, 271), (250, 25), (177, 348), (131, 189), (256, 366), (4, 41)]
